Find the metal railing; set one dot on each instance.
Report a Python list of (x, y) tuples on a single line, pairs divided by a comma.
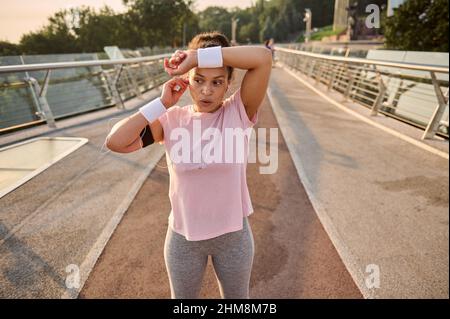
[(356, 49), (98, 83), (408, 92)]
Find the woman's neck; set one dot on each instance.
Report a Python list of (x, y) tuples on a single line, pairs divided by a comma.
[(196, 108)]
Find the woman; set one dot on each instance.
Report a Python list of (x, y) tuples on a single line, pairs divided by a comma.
[(269, 44), (209, 198)]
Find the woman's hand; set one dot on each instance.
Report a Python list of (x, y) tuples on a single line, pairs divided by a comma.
[(181, 62), (173, 90)]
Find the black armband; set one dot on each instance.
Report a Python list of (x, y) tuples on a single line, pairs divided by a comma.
[(147, 138)]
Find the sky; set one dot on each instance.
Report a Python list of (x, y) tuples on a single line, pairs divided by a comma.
[(18, 17)]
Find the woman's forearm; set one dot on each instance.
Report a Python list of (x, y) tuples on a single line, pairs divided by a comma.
[(126, 131), (246, 57)]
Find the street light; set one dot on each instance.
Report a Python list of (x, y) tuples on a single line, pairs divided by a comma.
[(307, 19), (184, 34), (234, 22), (72, 18)]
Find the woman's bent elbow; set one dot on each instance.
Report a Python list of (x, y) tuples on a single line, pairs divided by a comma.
[(112, 146)]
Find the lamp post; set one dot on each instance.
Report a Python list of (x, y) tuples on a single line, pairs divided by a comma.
[(307, 19), (184, 34), (352, 21), (234, 22), (72, 18)]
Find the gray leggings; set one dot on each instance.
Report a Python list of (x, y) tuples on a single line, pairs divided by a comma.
[(232, 258)]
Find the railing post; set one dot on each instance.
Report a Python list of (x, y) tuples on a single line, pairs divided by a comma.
[(347, 52), (435, 120), (319, 73), (42, 98), (27, 80), (144, 68), (349, 85), (133, 81), (313, 65), (297, 63), (380, 96), (332, 78), (304, 64), (112, 81)]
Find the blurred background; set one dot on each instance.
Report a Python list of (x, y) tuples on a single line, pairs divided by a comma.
[(49, 27)]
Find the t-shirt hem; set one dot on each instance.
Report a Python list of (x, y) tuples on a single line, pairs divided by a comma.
[(208, 236)]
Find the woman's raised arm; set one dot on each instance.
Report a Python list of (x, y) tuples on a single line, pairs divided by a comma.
[(256, 60), (125, 136), (258, 63)]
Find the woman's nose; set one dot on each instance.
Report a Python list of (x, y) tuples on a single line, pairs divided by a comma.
[(206, 89)]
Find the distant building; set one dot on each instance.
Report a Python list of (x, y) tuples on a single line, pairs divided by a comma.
[(392, 4), (358, 10), (340, 14)]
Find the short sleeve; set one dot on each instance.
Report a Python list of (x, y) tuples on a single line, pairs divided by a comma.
[(169, 120), (236, 101)]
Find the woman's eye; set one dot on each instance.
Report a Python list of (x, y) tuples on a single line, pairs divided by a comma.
[(218, 83)]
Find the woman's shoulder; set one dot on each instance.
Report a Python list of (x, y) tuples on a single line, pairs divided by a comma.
[(174, 114), (178, 110), (236, 107), (234, 100)]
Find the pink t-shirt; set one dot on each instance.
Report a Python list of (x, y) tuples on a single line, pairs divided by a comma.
[(206, 156)]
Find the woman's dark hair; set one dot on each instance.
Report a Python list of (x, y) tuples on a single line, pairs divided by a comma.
[(211, 39)]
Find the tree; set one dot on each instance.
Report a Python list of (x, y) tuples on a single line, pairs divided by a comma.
[(215, 19), (267, 31), (419, 25), (160, 21), (56, 37), (7, 48), (97, 30)]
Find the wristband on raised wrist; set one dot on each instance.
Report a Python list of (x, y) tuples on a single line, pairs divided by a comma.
[(153, 110), (210, 57)]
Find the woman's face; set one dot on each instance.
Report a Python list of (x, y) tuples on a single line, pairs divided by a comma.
[(208, 87)]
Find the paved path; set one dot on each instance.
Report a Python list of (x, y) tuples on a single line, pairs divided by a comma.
[(66, 214), (383, 201), (346, 195)]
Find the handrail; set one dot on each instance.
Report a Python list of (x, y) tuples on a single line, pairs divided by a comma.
[(66, 65), (408, 66), (358, 79), (132, 80)]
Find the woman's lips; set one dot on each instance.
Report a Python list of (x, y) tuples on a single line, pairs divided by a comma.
[(205, 102)]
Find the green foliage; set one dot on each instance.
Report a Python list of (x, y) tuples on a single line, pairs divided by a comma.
[(7, 48), (325, 32), (215, 19), (416, 25), (419, 25), (161, 23)]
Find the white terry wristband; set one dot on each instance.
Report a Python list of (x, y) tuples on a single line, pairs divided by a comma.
[(210, 57), (153, 110)]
